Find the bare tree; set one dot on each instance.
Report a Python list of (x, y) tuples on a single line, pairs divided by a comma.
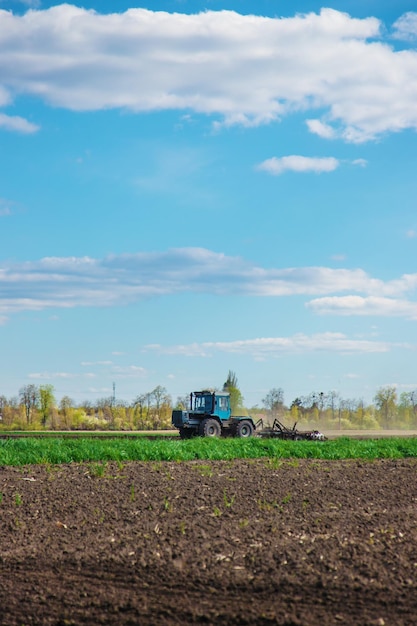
[(139, 403), (332, 399), (274, 399), (162, 404), (183, 403), (65, 407), (29, 398), (386, 403), (160, 396), (3, 403)]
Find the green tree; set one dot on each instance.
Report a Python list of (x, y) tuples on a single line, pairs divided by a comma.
[(386, 404), (236, 399), (46, 401)]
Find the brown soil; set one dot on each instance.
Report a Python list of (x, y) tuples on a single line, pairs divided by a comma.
[(243, 542)]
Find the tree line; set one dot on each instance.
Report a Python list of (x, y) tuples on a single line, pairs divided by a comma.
[(331, 410), (36, 407)]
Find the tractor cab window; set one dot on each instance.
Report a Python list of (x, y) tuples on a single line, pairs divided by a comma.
[(223, 403), (203, 403)]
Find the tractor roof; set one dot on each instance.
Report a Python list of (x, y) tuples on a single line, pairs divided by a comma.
[(208, 391)]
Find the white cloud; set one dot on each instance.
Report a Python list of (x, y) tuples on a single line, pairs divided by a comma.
[(296, 163), (118, 371), (275, 346), (91, 363), (143, 60), (405, 27), (358, 305), (129, 371), (321, 129), (52, 375), (100, 390), (56, 282), (17, 124), (411, 234)]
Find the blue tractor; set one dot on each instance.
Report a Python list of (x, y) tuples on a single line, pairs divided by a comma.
[(210, 415)]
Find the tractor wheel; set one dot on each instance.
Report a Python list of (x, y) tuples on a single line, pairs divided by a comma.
[(210, 427), (186, 433), (244, 429)]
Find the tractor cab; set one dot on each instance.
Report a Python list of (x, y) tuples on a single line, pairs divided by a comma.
[(209, 403), (202, 402)]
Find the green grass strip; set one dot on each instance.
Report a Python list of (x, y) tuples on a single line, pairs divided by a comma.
[(55, 451)]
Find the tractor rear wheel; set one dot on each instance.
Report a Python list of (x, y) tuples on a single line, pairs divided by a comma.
[(244, 429), (210, 427)]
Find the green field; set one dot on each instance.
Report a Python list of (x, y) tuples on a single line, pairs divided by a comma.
[(60, 450)]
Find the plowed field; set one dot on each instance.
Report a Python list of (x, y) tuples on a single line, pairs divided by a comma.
[(245, 542)]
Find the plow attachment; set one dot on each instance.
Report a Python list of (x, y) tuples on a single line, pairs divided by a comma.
[(279, 431)]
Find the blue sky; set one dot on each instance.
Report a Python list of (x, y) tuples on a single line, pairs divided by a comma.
[(188, 188)]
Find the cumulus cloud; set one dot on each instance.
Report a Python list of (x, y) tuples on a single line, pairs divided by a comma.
[(128, 371), (17, 124), (274, 346), (358, 305), (405, 27), (62, 282), (118, 371), (90, 363), (317, 127), (55, 375), (244, 69), (296, 163)]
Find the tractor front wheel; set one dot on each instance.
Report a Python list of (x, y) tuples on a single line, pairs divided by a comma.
[(210, 428), (186, 433), (244, 429)]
